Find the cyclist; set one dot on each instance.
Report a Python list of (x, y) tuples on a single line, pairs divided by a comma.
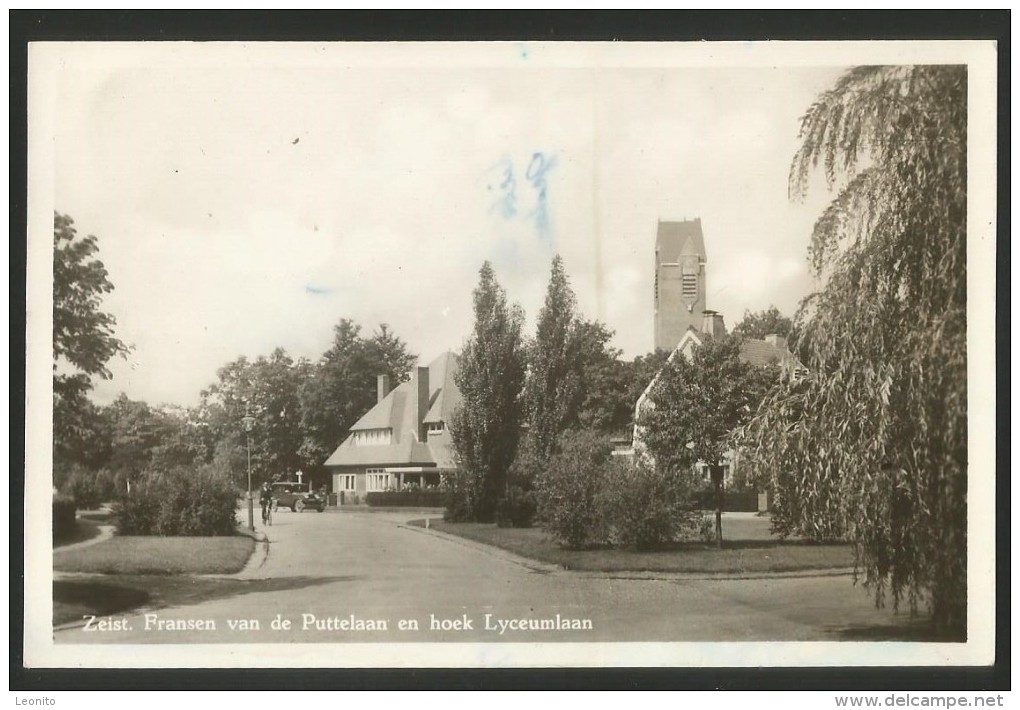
[(266, 499)]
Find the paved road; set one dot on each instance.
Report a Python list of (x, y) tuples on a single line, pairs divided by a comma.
[(337, 576)]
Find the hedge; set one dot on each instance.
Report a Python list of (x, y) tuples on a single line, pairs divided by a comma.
[(414, 499), (743, 502), (182, 501), (64, 523)]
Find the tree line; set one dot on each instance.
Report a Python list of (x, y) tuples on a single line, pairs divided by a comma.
[(302, 409), (532, 437)]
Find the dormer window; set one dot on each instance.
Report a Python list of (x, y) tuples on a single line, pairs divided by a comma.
[(372, 437), (435, 428)]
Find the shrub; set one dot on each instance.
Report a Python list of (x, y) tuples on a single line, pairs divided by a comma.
[(64, 523), (459, 506), (182, 501), (89, 488), (648, 507), (571, 490), (733, 502), (706, 529), (516, 509), (410, 497)]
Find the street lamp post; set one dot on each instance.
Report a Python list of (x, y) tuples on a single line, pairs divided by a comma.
[(249, 422)]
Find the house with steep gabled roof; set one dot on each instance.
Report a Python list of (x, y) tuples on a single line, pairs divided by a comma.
[(403, 439), (772, 351)]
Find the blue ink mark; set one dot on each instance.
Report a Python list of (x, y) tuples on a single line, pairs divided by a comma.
[(524, 50), (506, 185), (318, 290), (538, 168)]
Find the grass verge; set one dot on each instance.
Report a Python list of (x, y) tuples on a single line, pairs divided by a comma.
[(74, 599), (755, 553), (83, 530), (159, 555), (412, 510)]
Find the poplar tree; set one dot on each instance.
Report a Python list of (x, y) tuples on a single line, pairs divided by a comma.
[(486, 428), (553, 391)]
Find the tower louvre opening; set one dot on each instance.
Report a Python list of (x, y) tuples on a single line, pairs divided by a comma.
[(690, 285)]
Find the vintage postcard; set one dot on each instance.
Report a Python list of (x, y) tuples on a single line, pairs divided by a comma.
[(510, 354)]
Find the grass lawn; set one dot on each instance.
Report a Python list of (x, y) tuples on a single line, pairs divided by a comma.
[(159, 555), (125, 593), (747, 548), (73, 599), (412, 510)]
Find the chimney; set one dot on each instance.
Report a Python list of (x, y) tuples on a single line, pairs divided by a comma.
[(421, 395), (776, 340), (382, 387), (713, 324)]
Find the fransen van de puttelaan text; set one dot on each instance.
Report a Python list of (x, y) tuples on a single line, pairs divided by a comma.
[(311, 622)]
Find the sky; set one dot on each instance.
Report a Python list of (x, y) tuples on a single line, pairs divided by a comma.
[(249, 199)]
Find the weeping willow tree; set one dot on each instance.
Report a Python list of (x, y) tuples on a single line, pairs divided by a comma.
[(872, 447)]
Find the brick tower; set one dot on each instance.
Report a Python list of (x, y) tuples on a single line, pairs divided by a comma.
[(679, 281)]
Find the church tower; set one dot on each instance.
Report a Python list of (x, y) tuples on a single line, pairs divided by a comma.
[(679, 281)]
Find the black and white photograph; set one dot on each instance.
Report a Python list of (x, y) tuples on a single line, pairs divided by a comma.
[(510, 354)]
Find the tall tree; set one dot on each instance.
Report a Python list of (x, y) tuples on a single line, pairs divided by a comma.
[(575, 377), (341, 387), (387, 354), (761, 323), (143, 437), (486, 428), (83, 335), (876, 439), (552, 391), (699, 405), (267, 389), (606, 405)]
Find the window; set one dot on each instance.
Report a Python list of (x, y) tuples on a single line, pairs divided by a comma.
[(435, 427), (347, 482), (372, 437), (378, 479)]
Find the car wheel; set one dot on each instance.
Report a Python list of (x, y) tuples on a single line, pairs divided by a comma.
[(299, 505)]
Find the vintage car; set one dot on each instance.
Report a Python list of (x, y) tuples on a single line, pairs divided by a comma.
[(297, 497)]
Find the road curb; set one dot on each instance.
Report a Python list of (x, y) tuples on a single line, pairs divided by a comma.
[(719, 576), (254, 563), (533, 565), (546, 567)]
